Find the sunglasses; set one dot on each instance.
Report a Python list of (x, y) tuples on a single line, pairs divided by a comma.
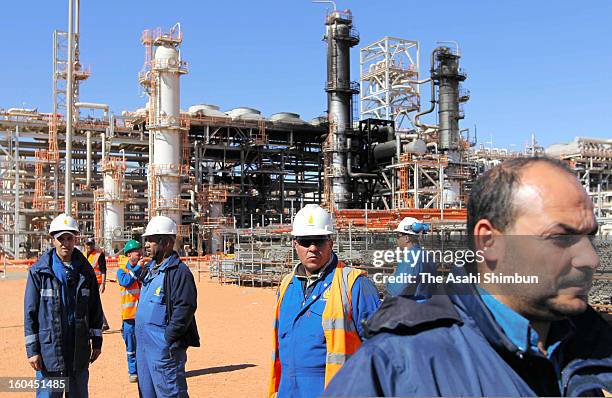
[(307, 242)]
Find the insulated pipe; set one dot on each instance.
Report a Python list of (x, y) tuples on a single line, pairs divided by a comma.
[(18, 225), (93, 105), (88, 138), (349, 164), (104, 145), (69, 105), (398, 147), (415, 119)]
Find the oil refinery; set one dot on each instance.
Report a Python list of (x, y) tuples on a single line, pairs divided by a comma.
[(233, 179)]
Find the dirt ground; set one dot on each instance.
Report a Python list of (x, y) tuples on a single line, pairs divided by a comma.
[(235, 330)]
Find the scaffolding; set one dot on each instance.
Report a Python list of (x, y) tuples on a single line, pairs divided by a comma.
[(389, 70)]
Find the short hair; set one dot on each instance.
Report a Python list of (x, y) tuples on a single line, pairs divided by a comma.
[(492, 195)]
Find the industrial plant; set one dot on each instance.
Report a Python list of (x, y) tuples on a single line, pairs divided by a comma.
[(232, 179)]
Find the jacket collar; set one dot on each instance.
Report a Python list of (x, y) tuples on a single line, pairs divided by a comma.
[(404, 314), (172, 261), (45, 262), (461, 303)]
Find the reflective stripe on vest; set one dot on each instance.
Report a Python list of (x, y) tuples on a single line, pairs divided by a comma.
[(93, 258), (341, 337), (129, 296)]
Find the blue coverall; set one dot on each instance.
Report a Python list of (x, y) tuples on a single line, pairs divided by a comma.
[(128, 329), (302, 347), (161, 372)]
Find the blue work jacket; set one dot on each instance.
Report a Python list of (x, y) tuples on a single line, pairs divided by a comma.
[(44, 311), (302, 346), (126, 279), (167, 304), (451, 345)]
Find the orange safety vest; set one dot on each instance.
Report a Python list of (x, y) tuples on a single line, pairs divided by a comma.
[(129, 296), (93, 260), (341, 337)]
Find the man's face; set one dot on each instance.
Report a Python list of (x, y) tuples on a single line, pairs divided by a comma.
[(403, 240), (313, 251), (135, 256), (64, 244), (153, 246), (90, 247), (550, 238)]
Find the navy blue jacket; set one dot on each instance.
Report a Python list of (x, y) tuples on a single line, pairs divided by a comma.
[(451, 345), (43, 309), (182, 301)]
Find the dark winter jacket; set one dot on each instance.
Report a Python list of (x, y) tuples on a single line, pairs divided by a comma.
[(182, 300), (43, 314), (452, 346)]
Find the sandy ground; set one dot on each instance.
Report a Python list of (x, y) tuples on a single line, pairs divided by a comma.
[(235, 330)]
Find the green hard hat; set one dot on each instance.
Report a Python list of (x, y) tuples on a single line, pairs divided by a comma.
[(131, 245)]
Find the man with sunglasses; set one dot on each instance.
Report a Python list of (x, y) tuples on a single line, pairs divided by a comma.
[(62, 312), (165, 316), (413, 261), (319, 313)]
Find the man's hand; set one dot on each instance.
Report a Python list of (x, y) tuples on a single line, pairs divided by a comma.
[(102, 287), (35, 362), (95, 353)]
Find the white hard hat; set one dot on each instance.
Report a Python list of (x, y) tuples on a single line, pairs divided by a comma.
[(63, 223), (161, 225), (312, 220), (405, 226)]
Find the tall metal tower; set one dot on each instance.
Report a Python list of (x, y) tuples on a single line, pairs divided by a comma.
[(161, 80), (340, 36), (389, 71)]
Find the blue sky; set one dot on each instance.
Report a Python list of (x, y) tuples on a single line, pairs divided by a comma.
[(542, 67)]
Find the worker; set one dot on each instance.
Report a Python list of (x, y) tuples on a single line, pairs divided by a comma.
[(413, 259), (129, 277), (96, 258), (62, 312), (319, 312), (529, 217), (165, 320)]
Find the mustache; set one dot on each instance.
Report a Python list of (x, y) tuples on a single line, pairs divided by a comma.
[(585, 281)]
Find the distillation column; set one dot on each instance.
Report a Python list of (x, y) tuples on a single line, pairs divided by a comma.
[(340, 37), (447, 76), (114, 199), (165, 171)]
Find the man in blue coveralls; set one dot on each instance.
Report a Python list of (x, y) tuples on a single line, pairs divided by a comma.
[(165, 321), (409, 232), (62, 313), (320, 310)]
